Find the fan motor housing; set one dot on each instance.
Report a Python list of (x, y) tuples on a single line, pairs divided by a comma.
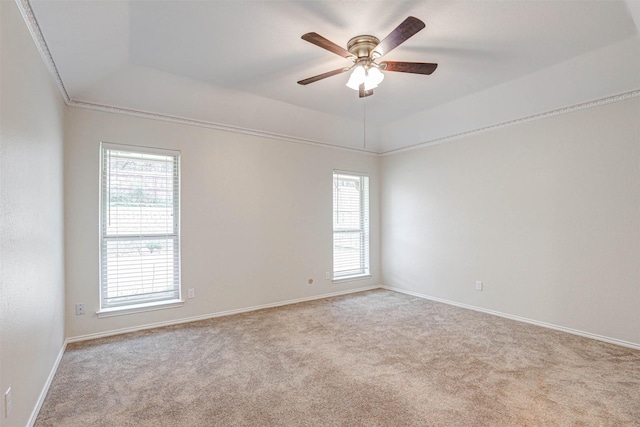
[(362, 46)]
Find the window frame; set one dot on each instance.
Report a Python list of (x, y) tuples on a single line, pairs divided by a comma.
[(140, 304), (364, 268)]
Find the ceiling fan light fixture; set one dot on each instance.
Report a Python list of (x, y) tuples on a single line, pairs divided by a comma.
[(371, 77)]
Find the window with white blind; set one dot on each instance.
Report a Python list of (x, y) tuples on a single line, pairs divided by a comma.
[(139, 223), (350, 225)]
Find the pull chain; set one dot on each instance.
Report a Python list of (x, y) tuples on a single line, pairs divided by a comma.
[(364, 123)]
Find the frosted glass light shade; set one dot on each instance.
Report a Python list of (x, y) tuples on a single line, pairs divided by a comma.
[(357, 77), (373, 79)]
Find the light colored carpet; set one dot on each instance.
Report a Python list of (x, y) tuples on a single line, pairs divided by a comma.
[(377, 358)]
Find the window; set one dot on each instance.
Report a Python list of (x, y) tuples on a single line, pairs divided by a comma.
[(139, 223), (350, 225)]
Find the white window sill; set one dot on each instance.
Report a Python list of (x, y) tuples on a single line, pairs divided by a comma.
[(351, 278), (139, 308)]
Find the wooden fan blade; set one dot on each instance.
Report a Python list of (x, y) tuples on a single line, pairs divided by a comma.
[(402, 33), (409, 67), (362, 93), (322, 76), (320, 41)]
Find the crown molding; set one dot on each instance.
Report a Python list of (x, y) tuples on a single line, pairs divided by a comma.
[(211, 125), (577, 107), (36, 33), (32, 24)]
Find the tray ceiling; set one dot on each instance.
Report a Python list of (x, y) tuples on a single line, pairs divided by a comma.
[(235, 64)]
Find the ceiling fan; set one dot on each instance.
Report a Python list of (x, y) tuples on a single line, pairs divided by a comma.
[(364, 51)]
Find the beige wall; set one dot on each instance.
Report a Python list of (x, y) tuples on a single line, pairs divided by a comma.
[(545, 213), (256, 217), (31, 219)]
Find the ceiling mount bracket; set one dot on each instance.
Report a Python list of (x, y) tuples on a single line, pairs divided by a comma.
[(362, 46)]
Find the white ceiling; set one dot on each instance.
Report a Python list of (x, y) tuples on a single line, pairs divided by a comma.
[(236, 63)]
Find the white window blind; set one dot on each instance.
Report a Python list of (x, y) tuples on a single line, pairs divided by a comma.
[(350, 225), (140, 245)]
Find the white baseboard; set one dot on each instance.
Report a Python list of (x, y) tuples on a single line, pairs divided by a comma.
[(213, 315), (609, 340), (47, 384)]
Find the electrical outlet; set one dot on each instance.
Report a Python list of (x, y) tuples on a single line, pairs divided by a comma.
[(327, 276), (478, 285), (7, 402), (191, 293), (79, 309)]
